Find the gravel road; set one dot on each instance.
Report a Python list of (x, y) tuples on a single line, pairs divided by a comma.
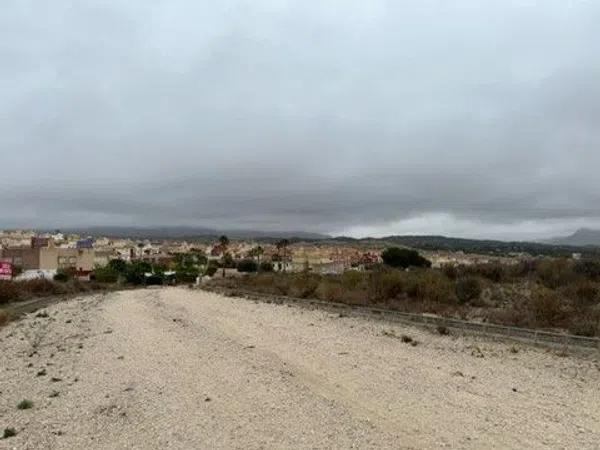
[(176, 368)]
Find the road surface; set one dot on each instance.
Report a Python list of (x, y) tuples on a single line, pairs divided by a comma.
[(176, 368)]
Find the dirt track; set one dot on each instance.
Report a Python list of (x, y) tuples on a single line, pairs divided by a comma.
[(174, 368)]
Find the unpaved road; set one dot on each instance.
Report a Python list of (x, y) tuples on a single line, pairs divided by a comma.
[(182, 369)]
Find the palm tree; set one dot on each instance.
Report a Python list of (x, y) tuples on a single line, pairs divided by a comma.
[(224, 241), (283, 244), (257, 252)]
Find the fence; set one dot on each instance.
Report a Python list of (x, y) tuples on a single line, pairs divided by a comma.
[(526, 334)]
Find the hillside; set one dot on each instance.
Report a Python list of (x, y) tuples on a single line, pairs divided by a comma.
[(583, 237), (476, 245)]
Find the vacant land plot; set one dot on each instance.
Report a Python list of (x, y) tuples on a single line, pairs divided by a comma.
[(176, 368)]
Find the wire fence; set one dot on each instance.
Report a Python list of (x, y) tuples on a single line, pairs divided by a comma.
[(523, 334)]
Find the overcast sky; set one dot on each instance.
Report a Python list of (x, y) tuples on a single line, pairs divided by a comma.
[(466, 118)]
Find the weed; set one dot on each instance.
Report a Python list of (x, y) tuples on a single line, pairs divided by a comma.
[(25, 404), (441, 329), (9, 432)]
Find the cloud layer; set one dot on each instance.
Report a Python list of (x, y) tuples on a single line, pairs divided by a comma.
[(467, 118)]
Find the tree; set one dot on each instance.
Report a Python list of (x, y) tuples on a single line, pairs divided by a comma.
[(402, 258), (283, 244), (256, 252), (247, 265), (117, 265), (224, 241)]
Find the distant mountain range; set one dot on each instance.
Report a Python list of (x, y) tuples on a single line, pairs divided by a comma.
[(190, 233), (480, 246), (584, 241), (583, 237)]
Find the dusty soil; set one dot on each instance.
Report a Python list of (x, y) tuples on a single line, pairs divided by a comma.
[(182, 369)]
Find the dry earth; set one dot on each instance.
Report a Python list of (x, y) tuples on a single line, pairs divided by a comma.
[(176, 368)]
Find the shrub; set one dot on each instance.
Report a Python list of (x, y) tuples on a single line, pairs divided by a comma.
[(210, 270), (118, 265), (450, 270), (386, 284), (522, 269), (468, 289), (8, 433), (403, 258), (134, 273), (588, 268), (330, 290), (106, 274), (495, 272), (187, 276), (554, 273), (351, 279), (304, 285), (62, 276), (545, 307), (155, 280), (586, 293), (41, 287), (586, 326), (443, 330), (4, 317), (9, 291), (432, 286), (25, 404), (266, 266), (247, 265)]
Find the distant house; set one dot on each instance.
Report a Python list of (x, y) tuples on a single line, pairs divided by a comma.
[(44, 255), (85, 243)]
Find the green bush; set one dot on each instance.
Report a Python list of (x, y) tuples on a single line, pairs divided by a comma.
[(155, 280), (386, 284), (266, 266), (25, 404), (105, 274), (8, 433), (62, 276), (403, 258), (247, 266), (134, 273), (187, 276), (118, 266), (468, 289), (211, 270), (433, 286), (351, 279)]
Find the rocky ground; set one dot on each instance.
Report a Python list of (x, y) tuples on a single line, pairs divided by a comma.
[(178, 368)]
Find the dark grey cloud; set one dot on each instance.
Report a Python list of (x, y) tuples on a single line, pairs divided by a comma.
[(467, 118)]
